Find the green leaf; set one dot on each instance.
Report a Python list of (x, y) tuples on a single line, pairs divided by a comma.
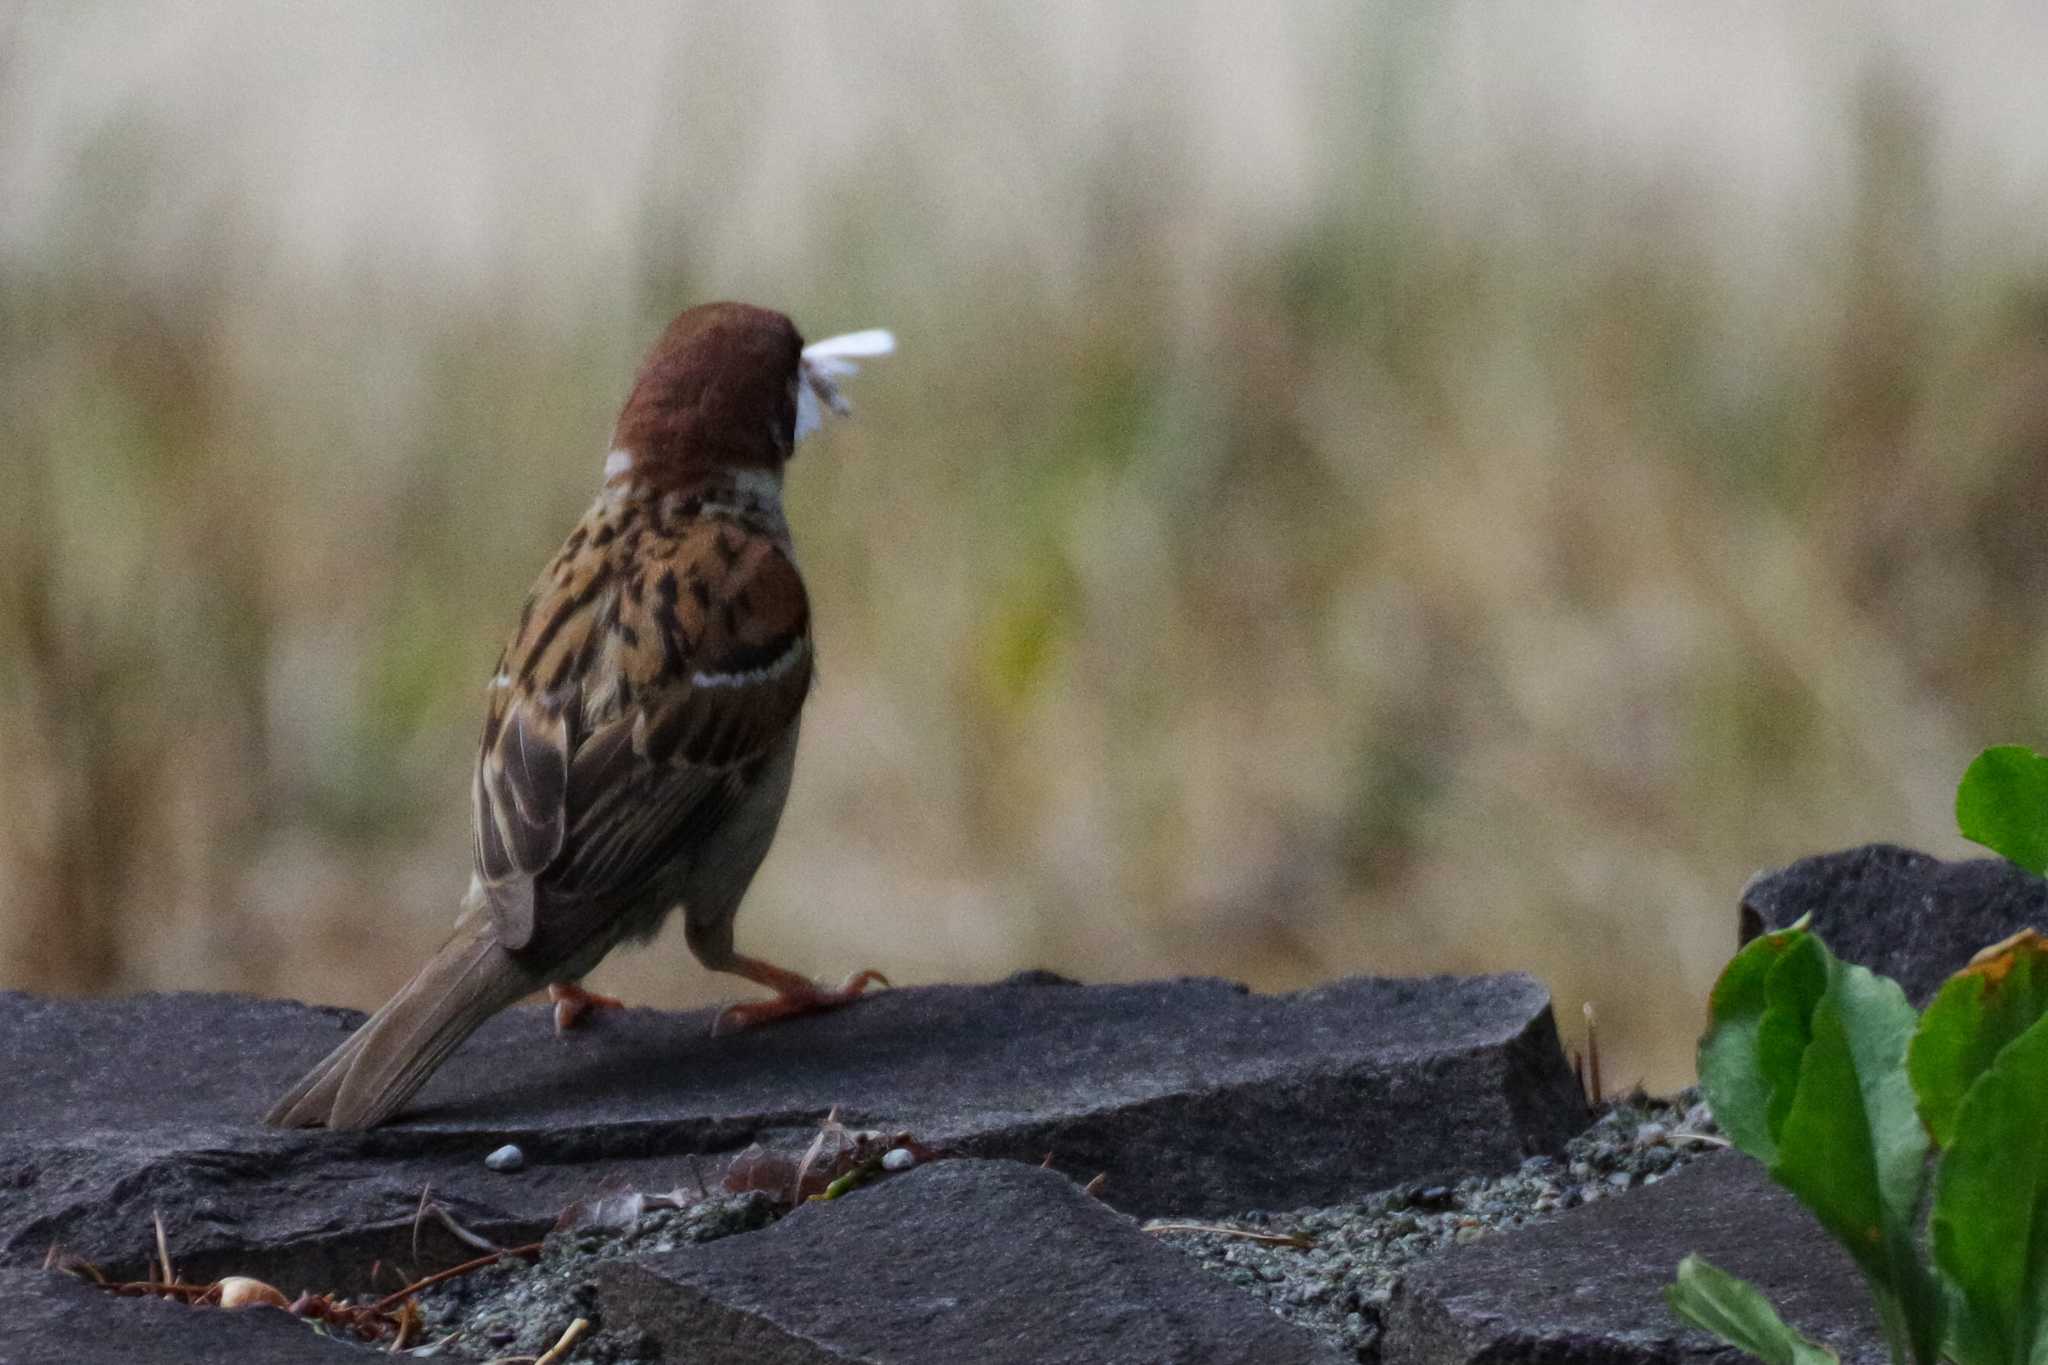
[(2002, 803), (1979, 1010), (1734, 1311), (1794, 992), (1739, 1085), (1991, 1208), (1852, 1147), (1805, 1064)]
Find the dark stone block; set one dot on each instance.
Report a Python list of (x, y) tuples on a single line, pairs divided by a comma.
[(957, 1261), (1914, 918), (1193, 1096), (1587, 1287), (54, 1319)]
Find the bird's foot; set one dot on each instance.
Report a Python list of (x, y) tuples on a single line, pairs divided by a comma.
[(794, 996), (572, 1002)]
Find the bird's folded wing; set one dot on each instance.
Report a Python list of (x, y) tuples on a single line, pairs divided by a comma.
[(627, 722)]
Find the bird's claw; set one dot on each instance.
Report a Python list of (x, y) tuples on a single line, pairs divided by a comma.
[(572, 1003), (808, 999)]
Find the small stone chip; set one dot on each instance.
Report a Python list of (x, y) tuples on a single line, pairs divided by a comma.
[(239, 1291), (506, 1158), (899, 1159)]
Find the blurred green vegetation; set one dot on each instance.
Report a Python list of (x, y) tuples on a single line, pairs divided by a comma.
[(1364, 583)]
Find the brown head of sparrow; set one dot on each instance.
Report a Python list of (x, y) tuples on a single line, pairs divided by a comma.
[(642, 721)]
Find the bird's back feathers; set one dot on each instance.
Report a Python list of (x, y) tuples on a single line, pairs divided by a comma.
[(679, 655)]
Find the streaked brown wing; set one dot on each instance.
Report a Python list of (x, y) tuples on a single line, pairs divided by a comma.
[(638, 695)]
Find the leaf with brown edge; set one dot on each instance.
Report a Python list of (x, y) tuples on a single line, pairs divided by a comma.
[(1990, 1215), (1977, 1014)]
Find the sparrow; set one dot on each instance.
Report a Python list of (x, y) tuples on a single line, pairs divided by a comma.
[(642, 721)]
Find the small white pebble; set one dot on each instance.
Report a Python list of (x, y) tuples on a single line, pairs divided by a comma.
[(898, 1159), (1650, 1134), (506, 1158)]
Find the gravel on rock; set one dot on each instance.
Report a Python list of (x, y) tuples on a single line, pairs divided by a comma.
[(521, 1308), (1336, 1286)]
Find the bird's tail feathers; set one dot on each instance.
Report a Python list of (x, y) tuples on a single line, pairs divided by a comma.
[(384, 1063)]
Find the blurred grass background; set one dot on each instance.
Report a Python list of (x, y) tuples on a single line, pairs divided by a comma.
[(1364, 487)]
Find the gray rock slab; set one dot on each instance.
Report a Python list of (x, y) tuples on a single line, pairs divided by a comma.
[(957, 1261), (1588, 1286), (1915, 918), (1193, 1096), (54, 1319)]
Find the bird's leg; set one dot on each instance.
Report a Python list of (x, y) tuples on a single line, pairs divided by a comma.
[(572, 1002), (795, 994)]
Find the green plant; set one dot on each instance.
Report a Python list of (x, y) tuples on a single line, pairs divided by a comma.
[(1822, 1071), (2002, 803)]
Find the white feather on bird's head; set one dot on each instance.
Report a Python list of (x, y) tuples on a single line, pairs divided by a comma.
[(824, 364)]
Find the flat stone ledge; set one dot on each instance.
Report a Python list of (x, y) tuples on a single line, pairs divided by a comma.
[(55, 1319), (1915, 918), (1191, 1096), (1588, 1286), (957, 1261)]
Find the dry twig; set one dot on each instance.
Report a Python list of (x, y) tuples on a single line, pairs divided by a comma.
[(397, 1315), (163, 1248), (1278, 1239), (1593, 1051), (396, 1296), (569, 1338)]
